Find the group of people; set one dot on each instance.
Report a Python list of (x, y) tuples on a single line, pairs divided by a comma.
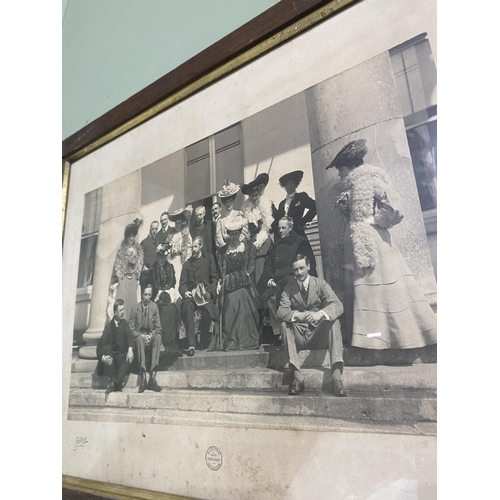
[(209, 284)]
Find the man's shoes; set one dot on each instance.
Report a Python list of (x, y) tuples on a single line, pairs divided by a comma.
[(111, 388), (153, 384), (144, 384), (338, 388), (190, 351), (296, 387)]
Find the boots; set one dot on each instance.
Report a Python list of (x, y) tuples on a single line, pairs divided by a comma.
[(153, 384), (144, 384)]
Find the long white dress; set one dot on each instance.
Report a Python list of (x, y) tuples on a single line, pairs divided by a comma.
[(384, 305)]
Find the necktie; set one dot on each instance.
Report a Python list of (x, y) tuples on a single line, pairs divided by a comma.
[(146, 318), (303, 291)]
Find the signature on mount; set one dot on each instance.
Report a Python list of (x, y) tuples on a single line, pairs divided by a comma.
[(80, 441)]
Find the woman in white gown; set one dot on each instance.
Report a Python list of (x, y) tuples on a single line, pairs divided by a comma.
[(227, 196), (384, 305), (181, 242), (180, 252)]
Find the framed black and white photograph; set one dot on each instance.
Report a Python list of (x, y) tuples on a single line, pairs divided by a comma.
[(250, 273)]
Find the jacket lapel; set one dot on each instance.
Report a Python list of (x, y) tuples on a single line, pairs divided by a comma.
[(297, 294), (311, 292)]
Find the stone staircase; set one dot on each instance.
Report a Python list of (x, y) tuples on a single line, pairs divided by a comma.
[(250, 389)]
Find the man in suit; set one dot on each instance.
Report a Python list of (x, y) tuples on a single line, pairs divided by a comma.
[(299, 206), (203, 229), (309, 311), (278, 268), (115, 349), (146, 330), (165, 230), (216, 212), (198, 269), (149, 245)]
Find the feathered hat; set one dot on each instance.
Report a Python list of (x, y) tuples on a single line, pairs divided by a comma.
[(261, 179), (351, 155), (228, 189), (132, 228), (236, 223), (296, 176), (182, 214)]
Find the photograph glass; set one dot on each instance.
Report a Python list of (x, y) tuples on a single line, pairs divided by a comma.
[(343, 175)]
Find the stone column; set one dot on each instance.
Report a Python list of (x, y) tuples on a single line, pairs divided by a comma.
[(121, 204), (363, 102)]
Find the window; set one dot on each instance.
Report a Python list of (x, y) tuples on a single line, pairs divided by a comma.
[(90, 228), (210, 162), (415, 75)]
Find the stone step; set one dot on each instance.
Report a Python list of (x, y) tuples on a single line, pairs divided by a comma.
[(249, 421), (275, 357), (355, 356), (202, 360), (377, 378), (393, 406)]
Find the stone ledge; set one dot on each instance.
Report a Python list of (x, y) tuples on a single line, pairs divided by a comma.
[(402, 406), (271, 422)]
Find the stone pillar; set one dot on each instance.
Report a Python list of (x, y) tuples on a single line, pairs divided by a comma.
[(363, 102), (121, 204)]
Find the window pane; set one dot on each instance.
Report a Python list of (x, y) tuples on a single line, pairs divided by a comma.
[(416, 79), (92, 212), (197, 171), (401, 83), (228, 156), (422, 144)]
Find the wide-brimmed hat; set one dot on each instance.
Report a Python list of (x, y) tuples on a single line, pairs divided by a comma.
[(236, 223), (351, 155), (132, 228), (296, 176), (261, 179), (228, 189), (182, 214), (199, 295)]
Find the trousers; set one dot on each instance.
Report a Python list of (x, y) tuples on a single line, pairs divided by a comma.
[(148, 355), (299, 336)]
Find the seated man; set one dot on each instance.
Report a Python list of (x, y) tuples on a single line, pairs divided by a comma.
[(149, 245), (278, 268), (114, 349), (146, 330), (199, 269), (309, 311)]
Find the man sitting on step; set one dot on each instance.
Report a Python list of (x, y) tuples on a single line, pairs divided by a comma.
[(198, 274), (146, 329), (309, 311), (115, 349)]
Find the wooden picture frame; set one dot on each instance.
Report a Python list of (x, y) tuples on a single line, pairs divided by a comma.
[(98, 152)]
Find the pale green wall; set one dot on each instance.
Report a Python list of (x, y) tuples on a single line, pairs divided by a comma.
[(114, 48)]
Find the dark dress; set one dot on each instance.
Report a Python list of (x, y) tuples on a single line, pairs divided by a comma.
[(240, 318), (169, 319)]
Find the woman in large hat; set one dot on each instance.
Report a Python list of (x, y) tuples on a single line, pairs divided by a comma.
[(180, 241), (240, 317), (299, 206), (129, 261), (384, 305), (260, 213), (227, 196)]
